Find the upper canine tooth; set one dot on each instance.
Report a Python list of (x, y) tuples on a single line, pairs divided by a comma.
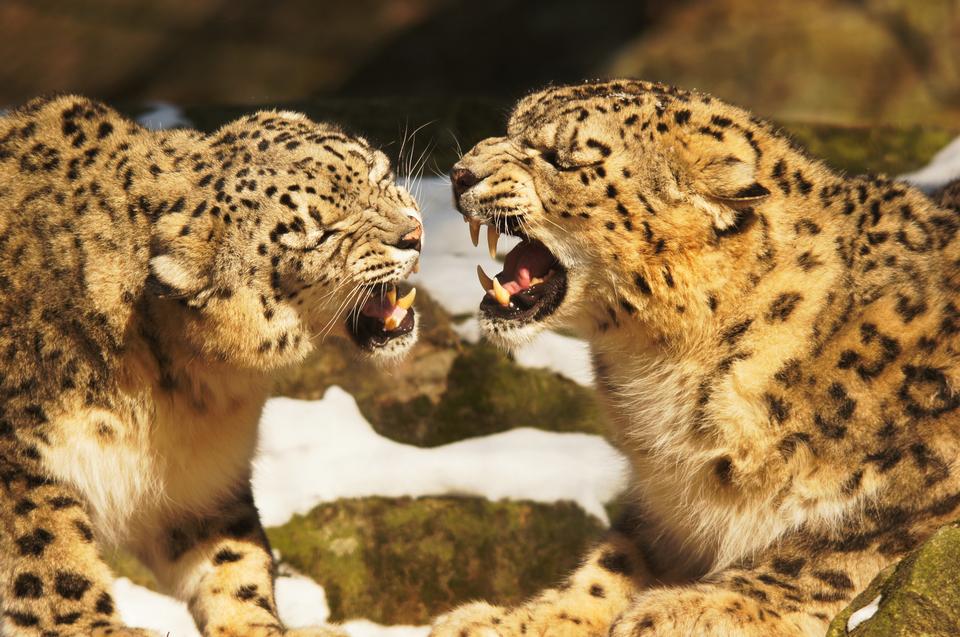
[(407, 300), (485, 282), (475, 232), (503, 297), (392, 296), (492, 237)]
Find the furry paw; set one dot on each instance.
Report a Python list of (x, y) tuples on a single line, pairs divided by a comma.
[(315, 631), (540, 618), (705, 613), (115, 630), (274, 630), (478, 619)]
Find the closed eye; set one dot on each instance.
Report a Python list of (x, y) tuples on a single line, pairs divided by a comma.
[(552, 158), (310, 242)]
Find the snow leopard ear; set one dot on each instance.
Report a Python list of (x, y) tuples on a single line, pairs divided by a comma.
[(170, 278), (729, 188)]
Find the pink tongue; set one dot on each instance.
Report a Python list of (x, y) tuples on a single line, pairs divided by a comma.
[(520, 282), (523, 263), (380, 308)]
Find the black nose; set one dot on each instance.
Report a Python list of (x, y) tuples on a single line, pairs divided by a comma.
[(462, 179), (411, 240)]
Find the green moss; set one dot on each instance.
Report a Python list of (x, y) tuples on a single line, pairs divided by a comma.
[(405, 560), (876, 149), (920, 596), (126, 565), (446, 390), (487, 392)]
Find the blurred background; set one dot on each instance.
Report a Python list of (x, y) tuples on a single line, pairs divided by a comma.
[(445, 488), (462, 63)]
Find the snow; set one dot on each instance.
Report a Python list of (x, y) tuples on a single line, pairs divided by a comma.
[(448, 272), (322, 450), (163, 115), (301, 601), (141, 607), (861, 615), (942, 169), (563, 354)]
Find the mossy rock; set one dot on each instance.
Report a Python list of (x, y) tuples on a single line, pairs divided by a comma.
[(919, 597), (446, 390), (829, 60), (403, 560), (874, 149), (450, 395)]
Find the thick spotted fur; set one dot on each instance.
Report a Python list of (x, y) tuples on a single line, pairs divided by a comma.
[(150, 282), (777, 345)]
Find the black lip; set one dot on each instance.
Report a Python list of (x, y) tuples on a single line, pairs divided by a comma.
[(368, 333), (533, 304)]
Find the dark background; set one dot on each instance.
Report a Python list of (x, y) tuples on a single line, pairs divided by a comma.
[(843, 61)]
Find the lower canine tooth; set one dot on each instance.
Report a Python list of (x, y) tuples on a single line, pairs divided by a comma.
[(475, 232), (392, 295), (502, 296), (492, 237), (391, 323), (485, 282)]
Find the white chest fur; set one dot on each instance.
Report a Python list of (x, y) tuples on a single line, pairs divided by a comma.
[(160, 453)]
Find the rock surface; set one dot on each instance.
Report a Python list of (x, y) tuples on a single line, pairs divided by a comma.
[(402, 560), (446, 390), (919, 597)]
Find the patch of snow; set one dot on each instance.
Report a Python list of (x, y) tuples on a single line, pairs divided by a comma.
[(163, 115), (861, 615), (322, 450), (448, 272), (301, 601), (143, 608), (942, 169), (565, 355)]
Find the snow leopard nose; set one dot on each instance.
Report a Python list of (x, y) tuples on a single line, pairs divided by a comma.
[(412, 240), (462, 179)]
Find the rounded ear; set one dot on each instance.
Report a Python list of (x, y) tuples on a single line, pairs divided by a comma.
[(731, 180), (170, 278), (725, 178)]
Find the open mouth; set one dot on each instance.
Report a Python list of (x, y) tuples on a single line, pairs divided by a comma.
[(387, 314), (532, 284)]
